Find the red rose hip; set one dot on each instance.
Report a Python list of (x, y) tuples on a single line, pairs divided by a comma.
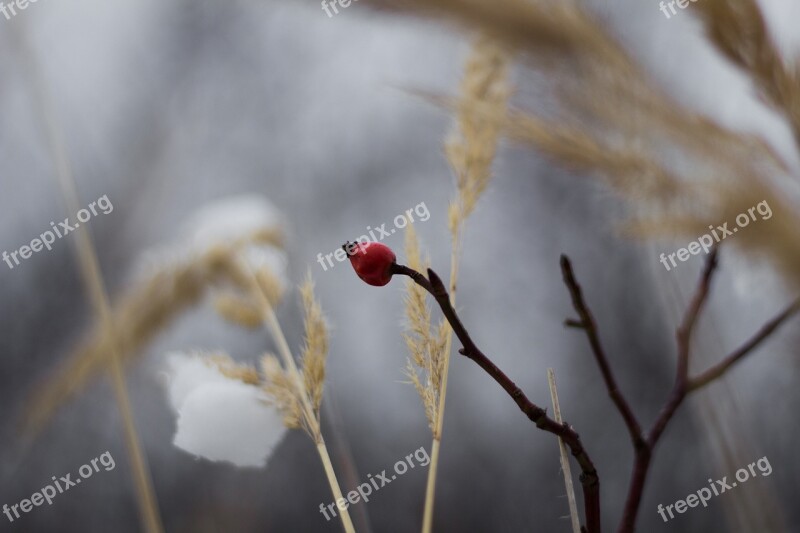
[(372, 261)]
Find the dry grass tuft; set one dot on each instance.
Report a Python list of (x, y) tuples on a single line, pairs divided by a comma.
[(315, 347), (229, 368), (145, 310), (425, 364), (480, 113), (282, 391), (679, 170), (738, 29), (238, 310)]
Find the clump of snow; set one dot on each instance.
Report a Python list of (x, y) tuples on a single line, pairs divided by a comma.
[(220, 418)]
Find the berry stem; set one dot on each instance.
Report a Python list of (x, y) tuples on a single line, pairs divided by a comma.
[(589, 478)]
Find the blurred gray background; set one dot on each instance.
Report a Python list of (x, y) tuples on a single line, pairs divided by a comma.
[(166, 106)]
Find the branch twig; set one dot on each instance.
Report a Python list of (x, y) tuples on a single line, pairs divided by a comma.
[(684, 332), (644, 444), (684, 385), (723, 366), (589, 478), (588, 324)]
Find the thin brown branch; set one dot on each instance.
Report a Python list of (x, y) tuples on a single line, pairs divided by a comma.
[(589, 478), (684, 332), (684, 385), (589, 325), (643, 446), (641, 466), (755, 341)]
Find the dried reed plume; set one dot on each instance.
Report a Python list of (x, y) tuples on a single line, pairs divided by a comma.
[(739, 31), (425, 363), (315, 347), (298, 392), (480, 110), (295, 392), (244, 291), (679, 169), (142, 312), (470, 151)]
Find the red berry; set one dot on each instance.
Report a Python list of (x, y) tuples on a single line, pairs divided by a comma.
[(372, 261)]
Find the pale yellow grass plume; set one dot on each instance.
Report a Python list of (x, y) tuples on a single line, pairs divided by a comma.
[(279, 384), (679, 170), (315, 346), (481, 109), (146, 309), (295, 388), (282, 390), (231, 369), (738, 29), (559, 29), (297, 391), (240, 301), (238, 310), (426, 348)]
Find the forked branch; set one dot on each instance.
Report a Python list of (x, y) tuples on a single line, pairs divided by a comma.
[(589, 478), (684, 384)]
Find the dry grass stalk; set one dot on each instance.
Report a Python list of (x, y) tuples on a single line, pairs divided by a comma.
[(425, 363), (295, 391), (679, 170), (282, 390), (237, 310), (563, 454), (738, 29), (298, 393), (229, 368), (470, 151), (93, 278), (315, 347), (138, 316)]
